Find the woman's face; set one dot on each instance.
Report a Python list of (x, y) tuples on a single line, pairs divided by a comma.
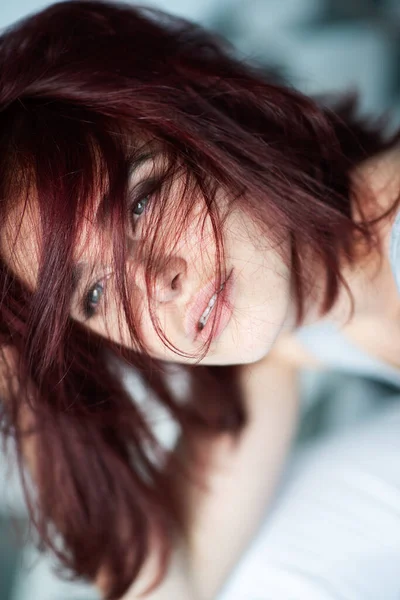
[(256, 304)]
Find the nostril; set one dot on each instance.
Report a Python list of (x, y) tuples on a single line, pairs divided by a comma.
[(174, 282)]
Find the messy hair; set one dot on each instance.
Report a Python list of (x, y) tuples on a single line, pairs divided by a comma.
[(87, 88)]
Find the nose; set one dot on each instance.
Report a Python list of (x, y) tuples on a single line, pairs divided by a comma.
[(168, 280)]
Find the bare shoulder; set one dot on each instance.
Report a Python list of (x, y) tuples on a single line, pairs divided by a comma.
[(377, 336)]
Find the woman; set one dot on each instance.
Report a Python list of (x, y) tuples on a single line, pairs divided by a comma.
[(164, 204)]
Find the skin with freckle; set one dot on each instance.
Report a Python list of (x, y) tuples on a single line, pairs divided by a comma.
[(263, 308), (261, 278)]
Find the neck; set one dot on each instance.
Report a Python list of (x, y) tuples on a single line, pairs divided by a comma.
[(370, 278)]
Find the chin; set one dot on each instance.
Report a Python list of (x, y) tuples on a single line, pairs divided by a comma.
[(246, 347), (237, 355)]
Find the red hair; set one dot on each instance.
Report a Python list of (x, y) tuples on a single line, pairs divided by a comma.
[(85, 86)]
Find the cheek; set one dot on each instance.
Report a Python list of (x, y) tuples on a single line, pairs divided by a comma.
[(115, 326), (263, 303)]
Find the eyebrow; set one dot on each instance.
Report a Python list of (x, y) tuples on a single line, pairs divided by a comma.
[(101, 211)]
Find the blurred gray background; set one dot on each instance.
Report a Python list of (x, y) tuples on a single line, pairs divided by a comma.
[(319, 46)]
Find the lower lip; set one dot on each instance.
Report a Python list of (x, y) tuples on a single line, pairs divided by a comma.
[(225, 313)]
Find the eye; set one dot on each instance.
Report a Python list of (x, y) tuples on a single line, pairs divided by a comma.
[(141, 197), (140, 206), (92, 299)]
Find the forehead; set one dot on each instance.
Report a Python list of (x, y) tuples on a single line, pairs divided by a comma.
[(21, 239)]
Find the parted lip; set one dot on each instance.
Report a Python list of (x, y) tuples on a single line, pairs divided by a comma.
[(197, 306)]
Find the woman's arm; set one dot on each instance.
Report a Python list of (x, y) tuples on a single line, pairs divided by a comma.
[(178, 582), (241, 479)]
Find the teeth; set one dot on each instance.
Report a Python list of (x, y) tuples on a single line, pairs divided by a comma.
[(204, 317)]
